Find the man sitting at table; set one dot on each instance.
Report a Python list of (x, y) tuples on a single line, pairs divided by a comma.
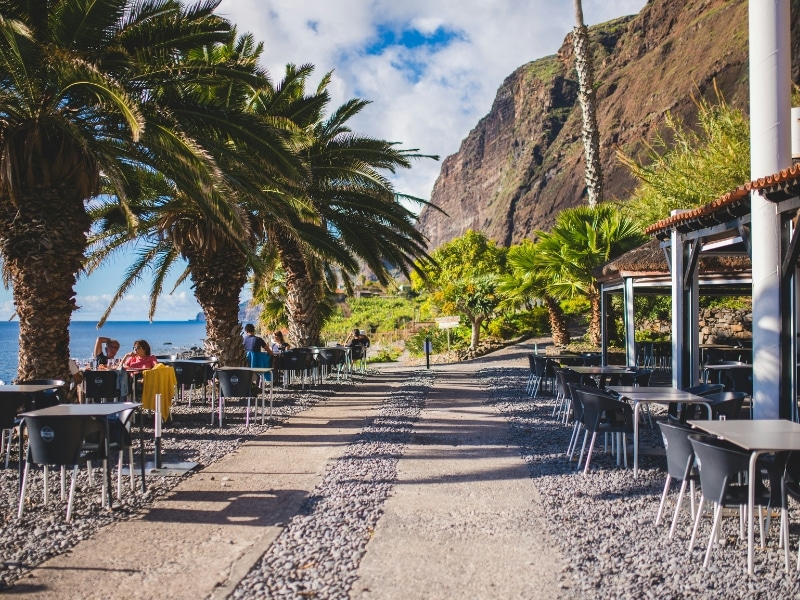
[(252, 342), (103, 357)]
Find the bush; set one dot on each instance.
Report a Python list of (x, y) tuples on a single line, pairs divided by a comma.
[(384, 355), (416, 343)]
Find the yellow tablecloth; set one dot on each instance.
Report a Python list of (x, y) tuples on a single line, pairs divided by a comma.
[(159, 380)]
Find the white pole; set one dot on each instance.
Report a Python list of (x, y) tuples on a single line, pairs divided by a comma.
[(770, 151)]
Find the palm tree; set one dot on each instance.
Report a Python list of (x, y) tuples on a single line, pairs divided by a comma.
[(588, 101), (581, 239), (79, 90), (526, 282), (350, 210), (172, 226)]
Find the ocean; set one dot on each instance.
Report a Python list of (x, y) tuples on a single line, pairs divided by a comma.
[(164, 337)]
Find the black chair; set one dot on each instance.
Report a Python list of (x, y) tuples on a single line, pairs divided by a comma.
[(738, 380), (294, 361), (603, 414), (358, 356), (100, 386), (119, 440), (59, 440), (9, 407), (679, 413), (574, 411), (790, 486), (722, 468), (45, 398), (237, 383), (331, 359), (188, 373), (531, 374), (680, 466), (727, 404)]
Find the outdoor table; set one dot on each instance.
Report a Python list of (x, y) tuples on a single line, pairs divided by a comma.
[(261, 370), (656, 395), (724, 367), (99, 411), (763, 436)]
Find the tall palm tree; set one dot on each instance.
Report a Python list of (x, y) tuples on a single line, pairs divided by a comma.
[(526, 282), (351, 212), (587, 97), (581, 239), (79, 83), (171, 226)]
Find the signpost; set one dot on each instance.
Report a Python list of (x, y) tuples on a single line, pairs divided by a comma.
[(448, 323)]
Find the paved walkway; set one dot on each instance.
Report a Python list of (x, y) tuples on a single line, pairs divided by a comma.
[(463, 521)]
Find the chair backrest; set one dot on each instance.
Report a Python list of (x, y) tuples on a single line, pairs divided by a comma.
[(58, 440), (640, 377), (728, 404), (236, 383), (119, 428), (704, 389), (719, 464), (100, 384), (294, 360), (357, 351), (592, 360), (45, 398), (739, 380), (680, 454), (330, 356), (259, 360), (600, 407), (187, 372), (9, 408), (531, 363)]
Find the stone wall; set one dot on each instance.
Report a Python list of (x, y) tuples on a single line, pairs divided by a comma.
[(717, 326)]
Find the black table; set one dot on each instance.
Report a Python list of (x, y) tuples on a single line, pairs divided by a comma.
[(98, 411)]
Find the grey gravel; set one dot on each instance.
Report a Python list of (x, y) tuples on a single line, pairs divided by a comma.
[(318, 553), (604, 521), (43, 531)]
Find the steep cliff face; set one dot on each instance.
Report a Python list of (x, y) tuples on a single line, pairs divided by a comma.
[(523, 162)]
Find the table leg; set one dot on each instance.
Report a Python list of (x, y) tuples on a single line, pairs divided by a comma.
[(108, 470), (636, 439), (751, 500), (141, 447)]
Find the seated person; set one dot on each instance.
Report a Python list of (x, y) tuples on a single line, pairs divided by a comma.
[(252, 342), (279, 344), (103, 357), (140, 358), (77, 378), (359, 339)]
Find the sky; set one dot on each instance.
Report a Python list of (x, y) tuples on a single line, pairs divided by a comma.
[(431, 69)]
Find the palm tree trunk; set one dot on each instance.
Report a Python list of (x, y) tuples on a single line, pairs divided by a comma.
[(594, 324), (302, 301), (218, 281), (43, 241), (476, 330), (558, 325), (588, 100)]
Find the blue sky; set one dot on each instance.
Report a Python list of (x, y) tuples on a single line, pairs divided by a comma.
[(430, 67)]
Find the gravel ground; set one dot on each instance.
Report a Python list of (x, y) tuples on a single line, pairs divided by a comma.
[(43, 531), (603, 521), (319, 551)]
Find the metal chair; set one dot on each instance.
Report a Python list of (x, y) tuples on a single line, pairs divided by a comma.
[(46, 398), (100, 386), (187, 373), (602, 414), (9, 408), (680, 466), (236, 383), (59, 440)]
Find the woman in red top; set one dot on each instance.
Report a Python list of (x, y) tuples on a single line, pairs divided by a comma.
[(140, 358)]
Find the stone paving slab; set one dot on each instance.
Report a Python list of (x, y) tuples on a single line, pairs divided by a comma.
[(464, 519), (202, 539)]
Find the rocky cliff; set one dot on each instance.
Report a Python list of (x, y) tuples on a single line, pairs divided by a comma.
[(523, 162)]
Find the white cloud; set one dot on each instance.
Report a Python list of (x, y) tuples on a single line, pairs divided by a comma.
[(179, 306), (425, 97)]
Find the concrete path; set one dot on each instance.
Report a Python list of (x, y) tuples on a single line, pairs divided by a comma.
[(463, 521)]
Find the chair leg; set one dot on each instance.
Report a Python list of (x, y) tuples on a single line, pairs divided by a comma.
[(663, 500), (696, 523), (130, 462), (583, 447), (119, 474), (714, 533), (678, 509), (625, 449), (63, 483), (24, 489), (8, 447), (573, 440), (46, 484), (589, 454), (71, 492)]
